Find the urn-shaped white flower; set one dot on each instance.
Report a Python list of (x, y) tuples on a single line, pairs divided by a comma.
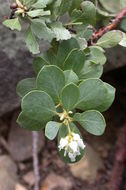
[(72, 144)]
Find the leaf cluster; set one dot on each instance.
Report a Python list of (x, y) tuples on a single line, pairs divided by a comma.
[(67, 88), (67, 91)]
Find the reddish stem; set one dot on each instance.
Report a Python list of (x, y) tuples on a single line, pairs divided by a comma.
[(96, 35)]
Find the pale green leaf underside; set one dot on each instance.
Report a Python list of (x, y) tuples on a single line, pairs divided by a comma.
[(38, 12), (41, 30), (31, 42), (61, 33), (41, 3), (110, 39), (13, 24), (113, 6), (52, 129)]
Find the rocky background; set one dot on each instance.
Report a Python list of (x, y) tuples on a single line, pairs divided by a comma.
[(15, 62), (95, 170)]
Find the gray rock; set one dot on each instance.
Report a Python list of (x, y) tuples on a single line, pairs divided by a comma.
[(20, 187), (7, 164), (54, 181), (6, 182), (116, 58), (8, 176), (15, 62), (12, 71), (20, 141), (88, 168)]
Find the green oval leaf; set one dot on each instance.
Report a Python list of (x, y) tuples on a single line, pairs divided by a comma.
[(29, 123), (51, 79), (61, 33), (52, 129), (110, 96), (110, 39), (96, 55), (75, 4), (123, 41), (70, 77), (92, 93), (38, 105), (89, 12), (41, 3), (29, 3), (91, 70), (64, 6), (39, 62), (75, 61), (92, 121), (38, 12), (13, 24), (69, 96), (64, 49), (41, 30), (25, 86), (113, 6), (31, 42)]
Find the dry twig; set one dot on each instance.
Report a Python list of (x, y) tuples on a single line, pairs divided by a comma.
[(35, 159)]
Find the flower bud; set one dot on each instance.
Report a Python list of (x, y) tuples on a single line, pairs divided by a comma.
[(13, 6)]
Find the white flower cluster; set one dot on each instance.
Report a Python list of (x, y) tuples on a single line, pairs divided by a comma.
[(72, 144)]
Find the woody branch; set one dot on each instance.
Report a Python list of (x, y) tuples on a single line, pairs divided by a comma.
[(113, 25)]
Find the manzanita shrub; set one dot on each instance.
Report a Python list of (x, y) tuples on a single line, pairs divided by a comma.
[(67, 91)]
